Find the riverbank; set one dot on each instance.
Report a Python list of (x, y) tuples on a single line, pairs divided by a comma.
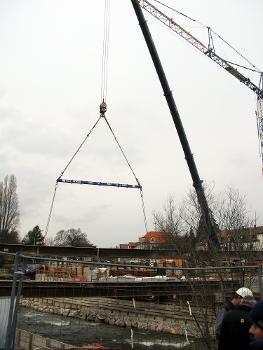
[(78, 332), (172, 319)]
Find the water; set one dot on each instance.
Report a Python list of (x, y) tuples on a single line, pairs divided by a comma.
[(79, 332)]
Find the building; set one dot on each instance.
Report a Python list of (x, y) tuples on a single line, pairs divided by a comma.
[(130, 245), (151, 240), (124, 246), (155, 240), (249, 238)]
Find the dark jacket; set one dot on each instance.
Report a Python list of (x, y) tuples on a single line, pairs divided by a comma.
[(221, 314), (256, 345), (234, 330)]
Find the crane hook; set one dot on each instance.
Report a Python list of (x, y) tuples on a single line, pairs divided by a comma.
[(103, 108)]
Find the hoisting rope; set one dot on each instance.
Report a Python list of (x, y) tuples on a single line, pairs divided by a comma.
[(78, 149), (120, 148), (103, 109), (105, 51), (50, 210), (136, 179), (58, 180)]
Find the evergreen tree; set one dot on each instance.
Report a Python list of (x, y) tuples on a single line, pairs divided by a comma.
[(34, 237)]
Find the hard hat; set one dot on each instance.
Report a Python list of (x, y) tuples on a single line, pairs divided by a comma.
[(242, 292)]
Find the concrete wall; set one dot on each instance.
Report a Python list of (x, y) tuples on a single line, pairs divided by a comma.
[(30, 341)]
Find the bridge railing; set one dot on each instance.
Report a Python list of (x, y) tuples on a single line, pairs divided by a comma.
[(202, 287)]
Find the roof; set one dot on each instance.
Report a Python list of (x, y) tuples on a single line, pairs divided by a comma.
[(159, 237), (252, 230), (124, 246)]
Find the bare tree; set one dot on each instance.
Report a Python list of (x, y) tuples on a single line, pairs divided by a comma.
[(183, 218), (232, 210), (170, 219), (229, 210), (235, 221), (49, 241), (191, 213), (9, 209), (235, 225), (71, 238), (59, 239)]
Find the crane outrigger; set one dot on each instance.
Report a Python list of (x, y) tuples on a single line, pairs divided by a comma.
[(209, 51)]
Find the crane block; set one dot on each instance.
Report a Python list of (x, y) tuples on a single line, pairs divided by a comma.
[(103, 107)]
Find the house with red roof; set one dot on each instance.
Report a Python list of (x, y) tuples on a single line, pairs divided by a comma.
[(154, 240)]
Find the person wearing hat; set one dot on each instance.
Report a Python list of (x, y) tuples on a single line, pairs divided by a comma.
[(256, 330), (235, 327), (230, 305)]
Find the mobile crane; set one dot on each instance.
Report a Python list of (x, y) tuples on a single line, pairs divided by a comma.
[(206, 214), (138, 5)]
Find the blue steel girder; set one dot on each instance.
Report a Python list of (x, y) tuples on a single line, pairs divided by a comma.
[(98, 183)]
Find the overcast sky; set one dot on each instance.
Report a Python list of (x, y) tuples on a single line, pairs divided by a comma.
[(50, 88)]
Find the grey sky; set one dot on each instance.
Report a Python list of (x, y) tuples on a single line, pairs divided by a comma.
[(50, 68)]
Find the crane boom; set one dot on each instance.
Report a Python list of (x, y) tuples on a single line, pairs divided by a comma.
[(260, 127), (258, 90), (207, 216), (169, 22)]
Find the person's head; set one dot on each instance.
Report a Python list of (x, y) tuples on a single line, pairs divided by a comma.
[(240, 294), (256, 315)]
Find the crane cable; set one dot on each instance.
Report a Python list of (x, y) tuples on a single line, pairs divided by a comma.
[(74, 155), (136, 179), (50, 210), (104, 90), (78, 149), (105, 52), (61, 174), (103, 109)]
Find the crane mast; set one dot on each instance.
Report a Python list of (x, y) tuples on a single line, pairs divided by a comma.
[(206, 214), (209, 52), (259, 114)]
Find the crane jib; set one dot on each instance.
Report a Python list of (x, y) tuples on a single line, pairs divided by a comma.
[(169, 22), (98, 183)]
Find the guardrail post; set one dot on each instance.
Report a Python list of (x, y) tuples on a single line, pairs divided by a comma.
[(260, 283), (9, 340), (19, 277)]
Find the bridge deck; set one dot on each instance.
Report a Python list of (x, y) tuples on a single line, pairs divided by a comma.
[(114, 289)]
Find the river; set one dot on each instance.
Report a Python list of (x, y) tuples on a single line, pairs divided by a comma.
[(79, 332)]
